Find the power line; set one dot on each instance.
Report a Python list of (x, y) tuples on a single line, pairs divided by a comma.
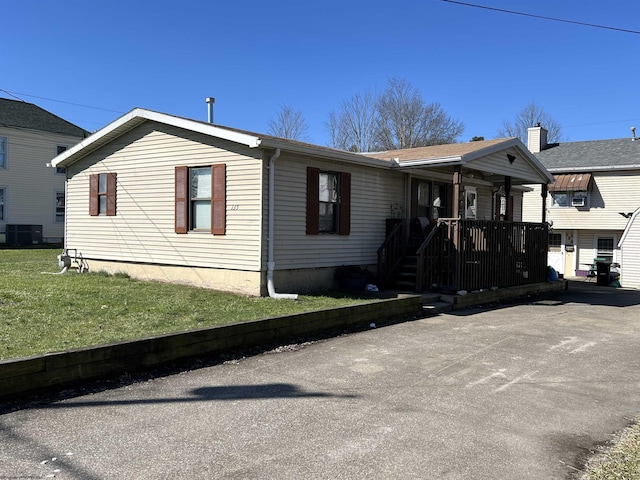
[(14, 94), (636, 32)]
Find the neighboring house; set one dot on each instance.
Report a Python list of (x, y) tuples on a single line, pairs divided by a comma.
[(629, 246), (32, 198), (174, 199), (596, 189)]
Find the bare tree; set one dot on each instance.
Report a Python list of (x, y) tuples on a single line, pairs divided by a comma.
[(289, 123), (353, 128), (529, 116), (406, 121)]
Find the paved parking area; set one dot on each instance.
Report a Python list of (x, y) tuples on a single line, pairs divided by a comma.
[(521, 391)]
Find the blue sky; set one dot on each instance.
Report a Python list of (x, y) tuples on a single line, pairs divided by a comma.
[(482, 66)]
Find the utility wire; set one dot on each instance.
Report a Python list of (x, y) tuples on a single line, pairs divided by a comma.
[(636, 32), (14, 94)]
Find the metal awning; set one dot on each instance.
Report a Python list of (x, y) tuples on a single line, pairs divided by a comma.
[(574, 182)]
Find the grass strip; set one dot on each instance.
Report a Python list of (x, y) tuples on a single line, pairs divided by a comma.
[(622, 461), (42, 313)]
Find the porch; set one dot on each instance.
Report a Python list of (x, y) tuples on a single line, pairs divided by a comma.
[(455, 254)]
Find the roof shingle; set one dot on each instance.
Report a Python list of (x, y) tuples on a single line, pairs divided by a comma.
[(18, 114)]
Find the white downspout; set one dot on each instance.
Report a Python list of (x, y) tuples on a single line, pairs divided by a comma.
[(271, 264)]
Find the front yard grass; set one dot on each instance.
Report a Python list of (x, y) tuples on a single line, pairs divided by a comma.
[(41, 313)]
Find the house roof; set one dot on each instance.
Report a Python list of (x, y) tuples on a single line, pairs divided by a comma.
[(592, 155), (138, 116), (436, 156), (435, 152), (18, 114)]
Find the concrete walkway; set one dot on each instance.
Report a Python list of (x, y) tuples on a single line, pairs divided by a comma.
[(522, 391)]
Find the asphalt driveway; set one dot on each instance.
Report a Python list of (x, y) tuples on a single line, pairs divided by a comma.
[(521, 391)]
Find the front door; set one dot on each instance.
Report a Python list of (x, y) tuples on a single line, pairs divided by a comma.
[(428, 199), (556, 252)]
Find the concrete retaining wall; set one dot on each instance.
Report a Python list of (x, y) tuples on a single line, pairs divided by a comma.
[(56, 371)]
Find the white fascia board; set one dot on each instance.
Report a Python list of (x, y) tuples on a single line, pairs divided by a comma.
[(139, 115), (595, 169), (453, 160)]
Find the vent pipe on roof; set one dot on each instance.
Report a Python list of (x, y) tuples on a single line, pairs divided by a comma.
[(633, 134), (210, 101)]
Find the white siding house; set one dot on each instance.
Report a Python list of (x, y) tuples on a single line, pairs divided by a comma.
[(630, 252), (32, 199), (596, 189), (174, 199)]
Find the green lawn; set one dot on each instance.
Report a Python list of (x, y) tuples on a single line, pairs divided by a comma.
[(42, 313)]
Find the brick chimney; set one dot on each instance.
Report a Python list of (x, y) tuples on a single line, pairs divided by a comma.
[(536, 138)]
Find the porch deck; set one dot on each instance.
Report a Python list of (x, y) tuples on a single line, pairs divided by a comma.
[(468, 255)]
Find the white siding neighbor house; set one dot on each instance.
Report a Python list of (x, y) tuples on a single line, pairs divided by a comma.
[(630, 251), (32, 198), (596, 191), (173, 199)]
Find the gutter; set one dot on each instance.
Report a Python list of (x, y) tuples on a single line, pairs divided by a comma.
[(271, 264)]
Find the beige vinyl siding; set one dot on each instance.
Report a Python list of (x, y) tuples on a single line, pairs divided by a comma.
[(498, 164), (30, 184), (630, 257), (611, 193), (373, 191), (142, 230)]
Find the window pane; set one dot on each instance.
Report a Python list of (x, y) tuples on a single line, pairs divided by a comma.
[(59, 206), (561, 199), (1, 203), (200, 182), (605, 248), (60, 149), (201, 214), (328, 217), (3, 152), (102, 186), (423, 194), (328, 187), (102, 205)]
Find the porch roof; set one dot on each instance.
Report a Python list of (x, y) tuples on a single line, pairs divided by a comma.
[(493, 157)]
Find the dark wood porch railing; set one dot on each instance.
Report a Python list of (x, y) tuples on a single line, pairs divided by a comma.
[(392, 251), (470, 254), (483, 254)]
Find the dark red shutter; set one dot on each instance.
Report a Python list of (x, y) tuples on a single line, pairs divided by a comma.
[(344, 217), (94, 203), (182, 199), (111, 194), (313, 201), (218, 199)]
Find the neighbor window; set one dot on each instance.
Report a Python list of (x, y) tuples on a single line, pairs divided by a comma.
[(59, 150), (328, 202), (102, 194), (3, 196), (200, 199), (3, 152), (570, 199), (59, 206), (604, 248)]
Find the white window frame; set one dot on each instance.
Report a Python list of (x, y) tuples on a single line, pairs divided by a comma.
[(200, 222), (56, 215), (470, 203), (578, 199), (4, 149), (613, 247)]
